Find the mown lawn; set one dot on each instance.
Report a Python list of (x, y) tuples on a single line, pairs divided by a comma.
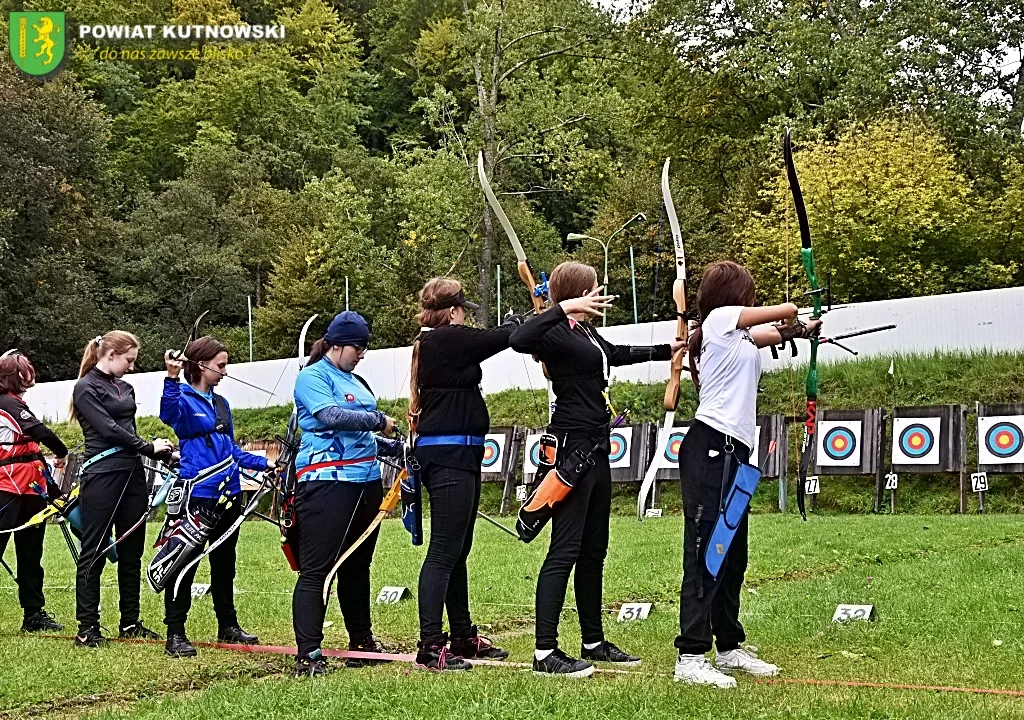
[(947, 591)]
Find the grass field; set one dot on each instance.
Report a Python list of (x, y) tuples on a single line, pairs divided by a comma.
[(948, 593)]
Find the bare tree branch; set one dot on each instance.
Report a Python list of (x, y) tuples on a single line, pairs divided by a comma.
[(545, 31), (523, 63)]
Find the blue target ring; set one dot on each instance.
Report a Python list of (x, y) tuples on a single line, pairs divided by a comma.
[(535, 452), (1004, 439), (675, 442), (617, 447), (492, 452), (916, 440), (839, 443)]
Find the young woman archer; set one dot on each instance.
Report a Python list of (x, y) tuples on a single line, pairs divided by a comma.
[(725, 348)]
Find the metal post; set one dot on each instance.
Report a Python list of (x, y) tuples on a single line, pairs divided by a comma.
[(250, 327), (632, 272), (499, 294), (604, 316), (346, 292)]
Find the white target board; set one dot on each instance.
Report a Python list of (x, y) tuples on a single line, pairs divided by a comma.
[(839, 443), (669, 442), (531, 454), (1001, 440), (494, 453), (915, 441), (620, 446)]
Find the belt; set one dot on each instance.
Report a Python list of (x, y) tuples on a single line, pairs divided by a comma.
[(21, 459), (335, 463), (471, 440), (99, 456)]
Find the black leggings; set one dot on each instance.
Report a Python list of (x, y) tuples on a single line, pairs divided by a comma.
[(16, 510), (454, 499), (117, 498), (222, 575), (579, 537), (330, 516), (708, 607)]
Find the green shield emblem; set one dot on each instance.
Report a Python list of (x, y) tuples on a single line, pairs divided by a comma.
[(37, 41)]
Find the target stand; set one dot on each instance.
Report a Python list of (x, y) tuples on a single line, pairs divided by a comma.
[(929, 439), (847, 442), (501, 449), (1000, 445)]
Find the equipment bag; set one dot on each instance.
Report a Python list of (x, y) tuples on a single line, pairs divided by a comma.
[(736, 504)]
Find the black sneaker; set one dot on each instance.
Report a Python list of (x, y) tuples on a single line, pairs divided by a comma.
[(236, 636), (369, 645), (434, 655), (558, 663), (608, 652), (311, 666), (475, 645), (40, 621), (137, 631), (90, 637), (178, 646)]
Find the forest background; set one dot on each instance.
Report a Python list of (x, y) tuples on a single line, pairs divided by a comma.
[(138, 194)]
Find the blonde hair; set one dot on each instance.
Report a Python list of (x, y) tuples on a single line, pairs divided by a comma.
[(117, 340), (436, 290)]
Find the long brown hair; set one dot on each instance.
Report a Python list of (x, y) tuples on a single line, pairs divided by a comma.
[(436, 290), (117, 340), (202, 351), (571, 280), (723, 284)]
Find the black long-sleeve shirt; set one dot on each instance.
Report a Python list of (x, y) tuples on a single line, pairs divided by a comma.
[(575, 356), (451, 402), (105, 406)]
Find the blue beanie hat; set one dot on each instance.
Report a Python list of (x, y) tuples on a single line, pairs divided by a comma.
[(348, 328)]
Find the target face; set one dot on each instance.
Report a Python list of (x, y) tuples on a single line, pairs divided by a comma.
[(620, 445), (531, 457), (670, 441), (916, 441), (839, 443), (494, 453), (1001, 440)]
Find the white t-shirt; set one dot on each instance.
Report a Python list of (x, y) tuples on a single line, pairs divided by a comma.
[(730, 368)]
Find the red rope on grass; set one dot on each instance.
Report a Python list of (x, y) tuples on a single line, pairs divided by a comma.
[(890, 686)]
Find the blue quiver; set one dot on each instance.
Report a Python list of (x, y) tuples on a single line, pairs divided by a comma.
[(736, 505)]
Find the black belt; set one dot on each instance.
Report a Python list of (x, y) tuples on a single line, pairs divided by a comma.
[(22, 459)]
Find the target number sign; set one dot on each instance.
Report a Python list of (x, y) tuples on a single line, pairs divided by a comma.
[(634, 611), (1001, 440), (846, 613), (200, 590), (391, 594), (494, 451), (839, 443), (916, 440), (812, 486), (652, 512), (521, 493), (892, 481), (979, 482)]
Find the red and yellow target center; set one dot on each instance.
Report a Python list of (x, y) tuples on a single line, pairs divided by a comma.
[(839, 443), (1004, 439), (916, 441)]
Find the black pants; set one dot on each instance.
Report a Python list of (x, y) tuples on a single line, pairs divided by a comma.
[(708, 607), (444, 583), (118, 497), (579, 537), (222, 575), (330, 516), (16, 510)]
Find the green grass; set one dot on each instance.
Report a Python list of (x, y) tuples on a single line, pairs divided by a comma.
[(946, 588)]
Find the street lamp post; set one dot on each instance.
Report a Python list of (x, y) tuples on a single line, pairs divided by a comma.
[(605, 244)]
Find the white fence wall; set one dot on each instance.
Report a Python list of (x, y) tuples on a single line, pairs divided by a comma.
[(991, 319)]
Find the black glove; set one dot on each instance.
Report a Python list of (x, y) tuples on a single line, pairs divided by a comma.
[(513, 320), (788, 332)]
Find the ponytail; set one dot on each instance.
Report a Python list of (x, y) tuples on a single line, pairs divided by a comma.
[(319, 349), (429, 317), (117, 340)]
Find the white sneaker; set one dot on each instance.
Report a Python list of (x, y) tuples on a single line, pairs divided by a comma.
[(697, 670), (745, 660)]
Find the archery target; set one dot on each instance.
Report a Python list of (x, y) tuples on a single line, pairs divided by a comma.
[(668, 447), (531, 457), (839, 443), (915, 441), (1001, 440), (494, 453), (620, 444)]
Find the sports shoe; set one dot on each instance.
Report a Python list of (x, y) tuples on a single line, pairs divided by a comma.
[(698, 670), (40, 621), (744, 660), (608, 652), (311, 666), (369, 645), (178, 646), (558, 663), (434, 655), (90, 637), (137, 631), (475, 645), (234, 635)]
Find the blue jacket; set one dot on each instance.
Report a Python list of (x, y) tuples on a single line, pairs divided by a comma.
[(195, 420)]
